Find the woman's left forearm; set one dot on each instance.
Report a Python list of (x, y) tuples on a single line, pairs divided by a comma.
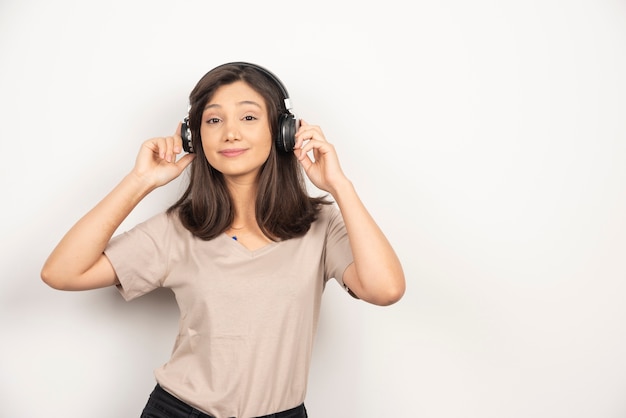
[(377, 276)]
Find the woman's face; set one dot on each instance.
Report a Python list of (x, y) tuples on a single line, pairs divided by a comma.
[(235, 131)]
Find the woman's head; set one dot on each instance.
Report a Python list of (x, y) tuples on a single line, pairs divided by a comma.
[(269, 87), (283, 207)]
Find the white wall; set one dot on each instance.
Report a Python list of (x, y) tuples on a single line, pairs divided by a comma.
[(487, 138)]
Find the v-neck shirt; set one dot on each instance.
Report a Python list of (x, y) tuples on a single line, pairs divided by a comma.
[(247, 318)]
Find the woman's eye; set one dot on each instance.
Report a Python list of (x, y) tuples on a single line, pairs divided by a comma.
[(212, 120), (249, 117)]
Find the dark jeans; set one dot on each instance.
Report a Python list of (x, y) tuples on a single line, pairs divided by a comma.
[(163, 405)]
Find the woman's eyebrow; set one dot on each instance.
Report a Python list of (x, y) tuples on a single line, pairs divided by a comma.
[(249, 102), (241, 103)]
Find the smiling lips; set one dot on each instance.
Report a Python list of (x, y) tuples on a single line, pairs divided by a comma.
[(232, 152)]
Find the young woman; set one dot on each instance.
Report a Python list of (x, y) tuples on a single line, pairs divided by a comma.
[(246, 251)]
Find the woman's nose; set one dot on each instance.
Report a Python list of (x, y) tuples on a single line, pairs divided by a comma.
[(232, 131)]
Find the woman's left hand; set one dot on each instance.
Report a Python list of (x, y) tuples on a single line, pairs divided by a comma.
[(323, 170)]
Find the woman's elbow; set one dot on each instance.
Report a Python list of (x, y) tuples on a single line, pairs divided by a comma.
[(392, 294), (57, 278), (51, 279), (388, 294)]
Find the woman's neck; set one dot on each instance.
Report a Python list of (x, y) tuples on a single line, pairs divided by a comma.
[(244, 201)]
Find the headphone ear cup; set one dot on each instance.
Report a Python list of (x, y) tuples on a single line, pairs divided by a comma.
[(185, 133), (286, 138)]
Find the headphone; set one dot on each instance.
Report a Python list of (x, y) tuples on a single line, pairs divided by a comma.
[(287, 123)]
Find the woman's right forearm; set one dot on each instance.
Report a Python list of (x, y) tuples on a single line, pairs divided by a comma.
[(78, 261), (83, 245)]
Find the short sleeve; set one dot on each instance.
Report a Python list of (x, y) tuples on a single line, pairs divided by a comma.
[(338, 253), (140, 256)]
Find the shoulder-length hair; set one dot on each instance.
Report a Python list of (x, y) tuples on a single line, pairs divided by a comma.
[(283, 206)]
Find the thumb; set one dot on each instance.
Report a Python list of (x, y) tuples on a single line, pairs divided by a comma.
[(184, 161)]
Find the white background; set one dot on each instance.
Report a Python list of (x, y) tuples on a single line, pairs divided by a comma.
[(487, 138)]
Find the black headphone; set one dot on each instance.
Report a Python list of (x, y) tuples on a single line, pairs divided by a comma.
[(286, 136)]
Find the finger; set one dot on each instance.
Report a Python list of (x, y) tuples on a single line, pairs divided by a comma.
[(178, 140), (319, 148), (170, 154), (304, 159), (185, 160), (307, 146), (164, 152), (163, 147), (159, 147), (303, 126), (310, 130), (310, 133)]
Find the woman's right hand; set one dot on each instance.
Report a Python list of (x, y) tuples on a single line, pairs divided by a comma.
[(157, 163)]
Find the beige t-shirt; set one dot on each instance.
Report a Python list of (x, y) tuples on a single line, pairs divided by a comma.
[(247, 318)]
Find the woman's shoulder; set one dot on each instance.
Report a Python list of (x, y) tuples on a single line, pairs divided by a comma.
[(328, 214), (164, 223), (328, 210)]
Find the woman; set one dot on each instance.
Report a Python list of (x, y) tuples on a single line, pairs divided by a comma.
[(246, 250)]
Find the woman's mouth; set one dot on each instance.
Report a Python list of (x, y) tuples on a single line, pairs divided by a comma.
[(232, 152)]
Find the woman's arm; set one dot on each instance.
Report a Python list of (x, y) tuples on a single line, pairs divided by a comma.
[(78, 261), (376, 275)]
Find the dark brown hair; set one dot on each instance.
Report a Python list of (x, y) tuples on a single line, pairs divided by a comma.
[(283, 207)]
